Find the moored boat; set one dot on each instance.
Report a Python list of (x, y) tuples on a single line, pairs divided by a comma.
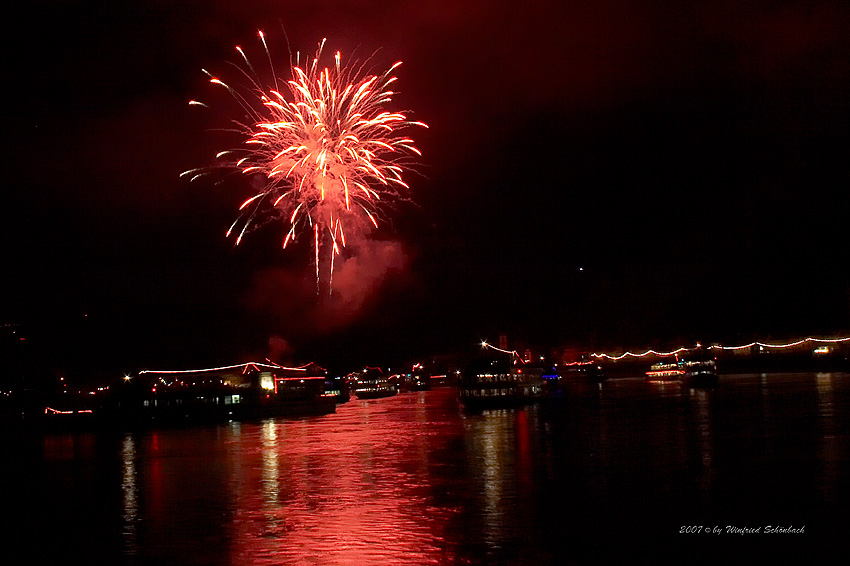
[(243, 391), (694, 369), (337, 389), (498, 384), (373, 384), (665, 372), (700, 372)]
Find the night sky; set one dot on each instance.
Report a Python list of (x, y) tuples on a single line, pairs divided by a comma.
[(596, 174)]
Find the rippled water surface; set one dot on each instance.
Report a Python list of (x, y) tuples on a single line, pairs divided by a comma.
[(609, 471)]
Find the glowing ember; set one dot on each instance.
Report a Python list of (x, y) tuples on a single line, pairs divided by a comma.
[(329, 154)]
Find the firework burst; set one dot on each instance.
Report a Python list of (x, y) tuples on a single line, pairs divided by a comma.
[(328, 153)]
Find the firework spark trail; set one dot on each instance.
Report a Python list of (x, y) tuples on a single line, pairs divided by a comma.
[(330, 154)]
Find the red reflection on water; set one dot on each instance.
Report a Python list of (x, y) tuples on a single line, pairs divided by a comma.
[(525, 460), (155, 497), (523, 443), (67, 447), (343, 489)]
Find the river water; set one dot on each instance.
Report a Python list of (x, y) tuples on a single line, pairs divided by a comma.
[(610, 471)]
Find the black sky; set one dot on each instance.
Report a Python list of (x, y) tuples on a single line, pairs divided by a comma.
[(595, 173)]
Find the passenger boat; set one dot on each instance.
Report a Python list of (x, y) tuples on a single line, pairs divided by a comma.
[(584, 371), (416, 380), (181, 397), (373, 384), (665, 372), (337, 388), (695, 369), (420, 379), (700, 372), (499, 384), (562, 377)]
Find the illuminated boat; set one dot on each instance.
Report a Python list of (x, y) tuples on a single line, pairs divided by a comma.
[(696, 369), (700, 372), (665, 372), (244, 391), (420, 379), (500, 384), (373, 384), (338, 389)]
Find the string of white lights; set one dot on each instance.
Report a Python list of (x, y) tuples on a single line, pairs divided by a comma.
[(787, 345), (634, 355), (720, 347), (514, 353)]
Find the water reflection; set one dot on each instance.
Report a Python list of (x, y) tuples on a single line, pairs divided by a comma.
[(270, 485), (491, 439), (704, 441), (338, 490), (414, 480), (830, 446), (130, 493), (504, 479), (768, 420)]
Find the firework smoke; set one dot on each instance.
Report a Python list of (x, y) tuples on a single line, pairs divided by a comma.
[(282, 296), (328, 154)]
